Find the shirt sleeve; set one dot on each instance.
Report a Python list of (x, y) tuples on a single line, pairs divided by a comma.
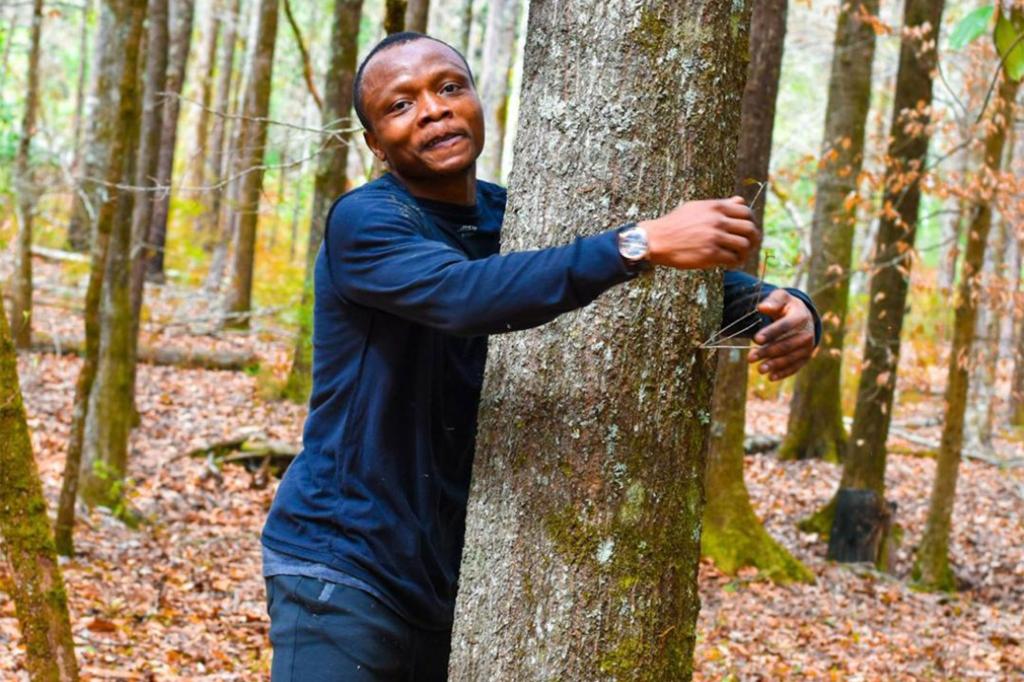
[(741, 294), (378, 257)]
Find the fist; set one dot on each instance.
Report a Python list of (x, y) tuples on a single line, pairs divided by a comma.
[(787, 343), (703, 234)]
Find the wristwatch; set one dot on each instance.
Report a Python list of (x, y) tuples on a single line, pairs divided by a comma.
[(633, 246)]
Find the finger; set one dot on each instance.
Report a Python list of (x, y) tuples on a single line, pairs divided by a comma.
[(792, 361), (782, 347), (735, 243), (789, 369), (737, 226), (778, 329), (774, 303), (727, 258), (736, 209)]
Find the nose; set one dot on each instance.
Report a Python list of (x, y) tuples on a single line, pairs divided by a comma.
[(434, 108)]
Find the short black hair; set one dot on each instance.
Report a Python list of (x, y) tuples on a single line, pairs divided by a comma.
[(391, 41)]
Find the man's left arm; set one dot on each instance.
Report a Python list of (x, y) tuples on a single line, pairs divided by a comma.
[(783, 322)]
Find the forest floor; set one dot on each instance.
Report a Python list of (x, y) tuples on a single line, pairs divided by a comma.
[(182, 597)]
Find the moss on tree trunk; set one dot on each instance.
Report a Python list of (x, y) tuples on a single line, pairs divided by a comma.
[(582, 541), (815, 427), (37, 587)]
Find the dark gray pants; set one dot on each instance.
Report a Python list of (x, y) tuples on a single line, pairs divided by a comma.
[(326, 632)]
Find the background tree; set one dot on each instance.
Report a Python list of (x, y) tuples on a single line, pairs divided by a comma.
[(416, 15), (932, 564), (331, 177), (394, 15), (733, 535), (253, 139), (815, 426), (180, 23), (593, 427), (892, 257), (25, 187), (204, 73), (116, 110), (495, 81), (36, 584)]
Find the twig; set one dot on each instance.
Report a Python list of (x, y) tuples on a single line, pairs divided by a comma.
[(307, 67)]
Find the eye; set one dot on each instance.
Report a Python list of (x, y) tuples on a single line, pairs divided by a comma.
[(400, 105), (449, 88)]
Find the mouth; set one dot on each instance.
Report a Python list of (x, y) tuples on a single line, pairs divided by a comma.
[(442, 141)]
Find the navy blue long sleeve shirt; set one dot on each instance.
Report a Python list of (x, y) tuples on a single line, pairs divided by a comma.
[(406, 292)]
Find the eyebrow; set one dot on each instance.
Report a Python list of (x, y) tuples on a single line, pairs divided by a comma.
[(398, 84)]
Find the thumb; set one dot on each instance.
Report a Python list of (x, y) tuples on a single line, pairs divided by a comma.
[(773, 304), (738, 199)]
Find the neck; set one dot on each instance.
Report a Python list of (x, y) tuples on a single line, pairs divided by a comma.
[(453, 189)]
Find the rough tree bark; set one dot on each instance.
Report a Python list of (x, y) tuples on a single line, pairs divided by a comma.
[(496, 72), (394, 15), (253, 140), (931, 568), (209, 222), (182, 13), (815, 426), (36, 585), (891, 261), (417, 14), (118, 46), (25, 188), (331, 176), (733, 535), (593, 427)]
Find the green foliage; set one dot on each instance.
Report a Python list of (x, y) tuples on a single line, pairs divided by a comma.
[(970, 27), (1009, 39)]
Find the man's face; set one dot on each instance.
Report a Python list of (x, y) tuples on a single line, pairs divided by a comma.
[(424, 113)]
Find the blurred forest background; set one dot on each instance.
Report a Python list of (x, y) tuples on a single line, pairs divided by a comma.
[(164, 176)]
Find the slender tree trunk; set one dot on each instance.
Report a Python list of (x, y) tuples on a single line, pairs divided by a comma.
[(181, 15), (815, 420), (253, 142), (204, 73), (157, 45), (331, 177), (980, 411), (892, 258), (83, 70), (582, 541), (25, 188), (110, 414), (932, 566), (118, 46), (416, 15), (448, 19), (36, 585), (394, 15), (499, 55), (733, 535), (209, 221)]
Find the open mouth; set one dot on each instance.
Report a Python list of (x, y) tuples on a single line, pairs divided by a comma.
[(442, 141)]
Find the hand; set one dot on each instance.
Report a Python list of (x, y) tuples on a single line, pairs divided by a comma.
[(703, 234), (787, 343)]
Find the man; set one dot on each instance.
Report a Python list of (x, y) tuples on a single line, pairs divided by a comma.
[(363, 543)]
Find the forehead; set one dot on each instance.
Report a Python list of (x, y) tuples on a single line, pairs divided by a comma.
[(408, 61)]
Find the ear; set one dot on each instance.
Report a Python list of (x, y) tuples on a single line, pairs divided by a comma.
[(374, 145)]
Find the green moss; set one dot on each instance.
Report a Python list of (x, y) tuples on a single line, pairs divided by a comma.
[(575, 540), (820, 522), (622, 658)]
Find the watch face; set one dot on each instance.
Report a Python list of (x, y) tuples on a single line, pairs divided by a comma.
[(633, 244)]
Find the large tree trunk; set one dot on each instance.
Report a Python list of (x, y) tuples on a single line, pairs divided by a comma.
[(733, 535), (209, 222), (253, 140), (416, 15), (864, 464), (36, 584), (583, 533), (25, 187), (932, 566), (180, 23), (815, 420), (118, 46), (499, 55), (331, 177)]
